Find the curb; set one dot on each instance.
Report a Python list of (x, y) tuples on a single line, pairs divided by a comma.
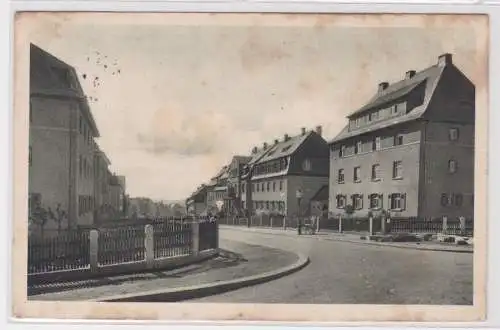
[(208, 289), (432, 249)]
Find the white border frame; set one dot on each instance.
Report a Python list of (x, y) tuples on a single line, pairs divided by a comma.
[(493, 300)]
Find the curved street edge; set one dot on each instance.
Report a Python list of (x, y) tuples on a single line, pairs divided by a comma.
[(208, 289)]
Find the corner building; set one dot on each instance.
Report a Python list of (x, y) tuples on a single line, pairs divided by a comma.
[(410, 149)]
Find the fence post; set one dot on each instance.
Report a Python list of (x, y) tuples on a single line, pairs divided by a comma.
[(371, 226), (445, 224), (340, 224), (149, 245), (94, 250), (462, 225), (195, 238)]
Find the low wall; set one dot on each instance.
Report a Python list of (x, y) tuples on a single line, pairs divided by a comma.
[(97, 253)]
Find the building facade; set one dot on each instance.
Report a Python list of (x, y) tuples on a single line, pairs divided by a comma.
[(62, 132), (196, 204), (410, 149), (283, 177), (68, 173)]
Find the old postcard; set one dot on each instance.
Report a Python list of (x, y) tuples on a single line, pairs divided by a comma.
[(254, 167)]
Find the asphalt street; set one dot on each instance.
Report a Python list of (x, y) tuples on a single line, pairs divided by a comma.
[(347, 273)]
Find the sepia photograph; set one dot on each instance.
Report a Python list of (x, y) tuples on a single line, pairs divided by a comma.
[(276, 167)]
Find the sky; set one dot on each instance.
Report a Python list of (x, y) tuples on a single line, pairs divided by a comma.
[(176, 99)]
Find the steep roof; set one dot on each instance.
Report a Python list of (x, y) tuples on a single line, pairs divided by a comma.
[(242, 159), (284, 148), (45, 81), (427, 79), (321, 194)]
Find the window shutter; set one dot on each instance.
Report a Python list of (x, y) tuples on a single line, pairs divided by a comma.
[(389, 199), (403, 201), (362, 200)]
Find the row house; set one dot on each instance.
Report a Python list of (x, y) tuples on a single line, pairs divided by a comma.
[(217, 189), (65, 163), (284, 176), (197, 202), (410, 149)]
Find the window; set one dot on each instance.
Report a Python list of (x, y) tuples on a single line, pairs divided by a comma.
[(357, 201), (286, 148), (281, 185), (262, 187), (257, 187), (358, 147), (377, 143), (375, 172), (357, 174), (398, 140), (80, 163), (397, 201), (342, 151), (253, 187), (340, 176), (453, 134), (341, 199), (274, 185), (397, 169), (458, 199), (30, 157), (394, 109), (445, 199), (452, 166), (376, 201), (268, 188)]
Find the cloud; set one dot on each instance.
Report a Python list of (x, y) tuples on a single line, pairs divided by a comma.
[(174, 131)]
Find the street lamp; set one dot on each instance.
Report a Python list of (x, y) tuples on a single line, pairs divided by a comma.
[(299, 196)]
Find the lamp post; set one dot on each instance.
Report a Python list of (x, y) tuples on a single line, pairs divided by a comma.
[(299, 195), (282, 195)]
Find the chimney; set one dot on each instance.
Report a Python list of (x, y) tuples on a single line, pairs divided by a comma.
[(445, 59), (276, 141), (254, 150), (410, 74), (382, 86), (286, 137), (303, 130), (264, 145), (319, 130)]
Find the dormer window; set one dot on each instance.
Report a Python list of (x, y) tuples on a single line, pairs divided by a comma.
[(398, 140), (358, 147)]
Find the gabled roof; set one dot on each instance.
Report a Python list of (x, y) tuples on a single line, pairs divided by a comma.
[(284, 148), (321, 194), (427, 79), (46, 82), (242, 159)]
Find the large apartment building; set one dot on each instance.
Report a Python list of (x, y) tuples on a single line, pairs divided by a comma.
[(410, 149), (68, 173), (62, 132), (284, 176)]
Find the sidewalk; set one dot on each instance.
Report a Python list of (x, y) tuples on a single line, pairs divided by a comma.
[(237, 260), (351, 237)]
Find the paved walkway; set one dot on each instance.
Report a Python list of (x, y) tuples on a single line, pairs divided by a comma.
[(355, 238), (237, 260)]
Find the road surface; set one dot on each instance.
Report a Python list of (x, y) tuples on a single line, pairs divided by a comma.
[(347, 273)]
